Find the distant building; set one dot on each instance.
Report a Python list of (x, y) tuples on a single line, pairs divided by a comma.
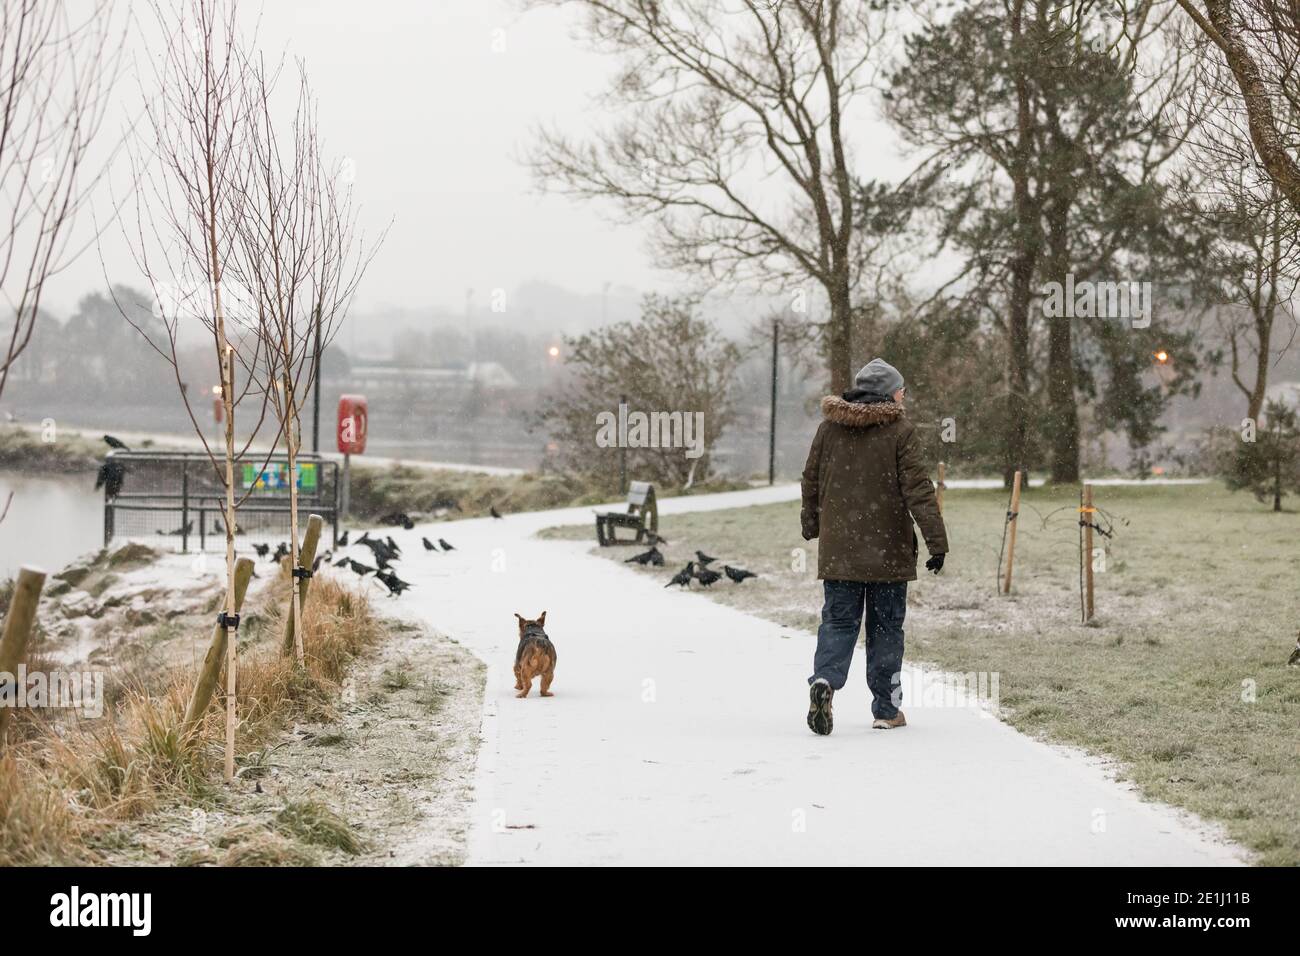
[(457, 380)]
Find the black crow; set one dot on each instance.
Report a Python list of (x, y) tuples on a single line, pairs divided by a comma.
[(398, 518), (359, 568), (343, 540), (645, 557), (445, 545), (683, 577), (706, 576), (391, 581), (392, 546), (342, 562), (429, 545), (281, 551), (262, 550), (493, 511), (738, 574), (380, 549), (110, 477), (115, 443), (320, 559), (705, 560)]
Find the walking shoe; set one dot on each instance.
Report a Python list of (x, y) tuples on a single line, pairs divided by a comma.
[(881, 724), (819, 707)]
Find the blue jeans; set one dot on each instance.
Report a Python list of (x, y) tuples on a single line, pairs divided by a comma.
[(885, 606)]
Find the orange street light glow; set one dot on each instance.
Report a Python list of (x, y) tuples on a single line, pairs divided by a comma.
[(553, 351), (1162, 357)]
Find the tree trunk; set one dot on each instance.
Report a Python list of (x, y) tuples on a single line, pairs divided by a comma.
[(1062, 410), (1256, 97), (1017, 424), (1277, 472), (291, 445), (1022, 273), (841, 336), (232, 641)]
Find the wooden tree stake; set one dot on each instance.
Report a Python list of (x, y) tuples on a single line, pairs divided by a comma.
[(18, 631), (1012, 520), (210, 672), (1085, 514), (306, 558)]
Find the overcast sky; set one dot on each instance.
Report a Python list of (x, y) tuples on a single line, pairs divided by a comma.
[(434, 119), (434, 103)]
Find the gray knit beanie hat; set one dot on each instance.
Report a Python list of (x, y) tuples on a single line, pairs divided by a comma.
[(875, 381)]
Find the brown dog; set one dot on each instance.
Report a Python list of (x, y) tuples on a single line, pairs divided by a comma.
[(535, 656)]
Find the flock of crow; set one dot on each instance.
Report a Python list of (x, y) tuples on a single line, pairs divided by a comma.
[(697, 570), (385, 550)]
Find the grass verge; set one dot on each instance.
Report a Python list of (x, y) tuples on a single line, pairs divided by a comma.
[(67, 785), (424, 493)]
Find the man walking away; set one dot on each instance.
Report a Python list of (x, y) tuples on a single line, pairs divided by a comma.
[(863, 486)]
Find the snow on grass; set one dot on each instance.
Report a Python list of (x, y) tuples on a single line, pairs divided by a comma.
[(392, 758)]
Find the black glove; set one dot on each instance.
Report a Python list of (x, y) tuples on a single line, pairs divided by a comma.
[(935, 563)]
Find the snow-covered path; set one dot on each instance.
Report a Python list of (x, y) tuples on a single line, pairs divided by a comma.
[(677, 733)]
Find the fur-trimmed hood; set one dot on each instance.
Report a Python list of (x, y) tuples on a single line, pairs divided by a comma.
[(856, 415)]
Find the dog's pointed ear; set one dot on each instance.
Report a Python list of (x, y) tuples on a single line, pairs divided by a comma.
[(541, 621), (522, 622)]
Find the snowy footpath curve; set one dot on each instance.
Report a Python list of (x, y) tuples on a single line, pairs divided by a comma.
[(676, 734)]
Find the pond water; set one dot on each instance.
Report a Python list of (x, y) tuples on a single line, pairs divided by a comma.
[(52, 520)]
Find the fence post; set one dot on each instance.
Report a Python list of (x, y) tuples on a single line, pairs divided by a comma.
[(185, 507), (939, 486), (622, 450), (210, 672), (771, 427), (334, 541), (1086, 513), (345, 497), (1012, 521), (306, 557), (18, 632)]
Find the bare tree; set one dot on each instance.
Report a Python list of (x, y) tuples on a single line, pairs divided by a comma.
[(56, 72), (1259, 41), (734, 139), (1256, 253), (1261, 285), (1257, 271), (671, 357), (296, 253), (191, 177)]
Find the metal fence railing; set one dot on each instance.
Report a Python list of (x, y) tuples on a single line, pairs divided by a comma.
[(177, 495)]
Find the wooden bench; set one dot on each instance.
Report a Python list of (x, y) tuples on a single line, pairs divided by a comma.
[(642, 514)]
